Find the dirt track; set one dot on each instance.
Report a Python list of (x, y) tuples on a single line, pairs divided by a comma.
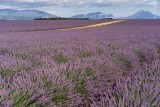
[(94, 25)]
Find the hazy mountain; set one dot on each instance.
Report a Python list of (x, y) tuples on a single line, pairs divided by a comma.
[(9, 14), (94, 15), (143, 15)]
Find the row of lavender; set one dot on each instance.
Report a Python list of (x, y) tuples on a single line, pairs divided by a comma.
[(115, 65), (44, 24), (139, 89)]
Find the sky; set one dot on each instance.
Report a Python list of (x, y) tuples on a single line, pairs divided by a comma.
[(67, 8)]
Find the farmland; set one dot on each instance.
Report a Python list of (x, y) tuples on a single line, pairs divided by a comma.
[(32, 25), (116, 65)]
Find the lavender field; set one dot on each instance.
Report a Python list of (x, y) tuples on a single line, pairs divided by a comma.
[(116, 65), (33, 25)]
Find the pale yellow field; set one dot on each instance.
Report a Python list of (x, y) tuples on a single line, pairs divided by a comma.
[(94, 25)]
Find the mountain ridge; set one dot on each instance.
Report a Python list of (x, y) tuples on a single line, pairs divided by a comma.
[(93, 15), (143, 15), (11, 14)]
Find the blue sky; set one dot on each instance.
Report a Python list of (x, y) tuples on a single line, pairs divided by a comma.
[(66, 8)]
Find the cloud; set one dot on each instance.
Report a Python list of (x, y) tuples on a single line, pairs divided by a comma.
[(77, 3), (4, 6), (82, 2), (124, 2), (154, 3)]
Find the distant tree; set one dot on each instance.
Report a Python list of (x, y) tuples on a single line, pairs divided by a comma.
[(61, 18)]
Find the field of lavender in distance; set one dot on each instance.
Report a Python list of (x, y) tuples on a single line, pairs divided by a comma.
[(115, 65)]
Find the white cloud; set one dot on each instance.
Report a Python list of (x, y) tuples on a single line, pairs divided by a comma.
[(4, 7), (90, 2), (79, 3), (153, 3)]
